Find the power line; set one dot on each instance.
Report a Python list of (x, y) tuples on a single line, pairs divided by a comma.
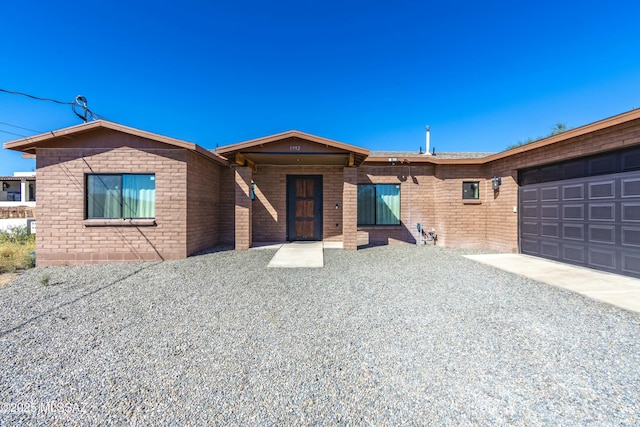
[(20, 127), (12, 133), (35, 97), (79, 102)]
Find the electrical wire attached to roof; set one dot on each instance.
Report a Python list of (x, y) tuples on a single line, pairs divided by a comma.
[(79, 103)]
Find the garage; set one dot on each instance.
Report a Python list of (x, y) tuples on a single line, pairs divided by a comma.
[(583, 211)]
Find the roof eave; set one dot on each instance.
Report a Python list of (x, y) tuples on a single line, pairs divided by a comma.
[(290, 134), (29, 144)]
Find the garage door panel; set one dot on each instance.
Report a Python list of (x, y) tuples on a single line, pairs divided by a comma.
[(630, 188), (602, 212), (550, 230), (602, 234), (603, 165), (631, 212), (530, 212), (573, 253), (573, 212), (601, 258), (529, 228), (631, 160), (550, 194), (530, 247), (573, 192), (595, 222), (630, 236), (602, 190), (631, 263), (550, 249), (550, 211), (529, 195), (573, 231)]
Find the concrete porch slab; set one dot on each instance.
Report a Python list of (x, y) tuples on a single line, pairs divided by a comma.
[(298, 255)]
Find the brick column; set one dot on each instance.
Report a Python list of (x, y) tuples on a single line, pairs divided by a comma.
[(243, 236), (350, 209)]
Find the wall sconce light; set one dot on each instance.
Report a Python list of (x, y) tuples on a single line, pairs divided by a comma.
[(337, 206), (496, 182)]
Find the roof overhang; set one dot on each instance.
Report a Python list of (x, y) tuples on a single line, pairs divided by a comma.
[(30, 144), (620, 119), (294, 148)]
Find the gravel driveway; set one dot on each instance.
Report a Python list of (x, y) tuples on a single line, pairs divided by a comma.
[(388, 335)]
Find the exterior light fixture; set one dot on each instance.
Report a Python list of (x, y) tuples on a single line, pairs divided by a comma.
[(496, 182)]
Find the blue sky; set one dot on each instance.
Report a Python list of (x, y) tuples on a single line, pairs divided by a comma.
[(483, 75)]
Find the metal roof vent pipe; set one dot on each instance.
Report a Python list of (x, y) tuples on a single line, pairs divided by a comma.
[(427, 140)]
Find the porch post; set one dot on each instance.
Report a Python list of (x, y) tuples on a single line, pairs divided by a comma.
[(23, 191), (243, 210), (350, 209)]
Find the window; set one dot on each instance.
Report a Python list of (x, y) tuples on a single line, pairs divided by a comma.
[(121, 196), (378, 204), (471, 190)]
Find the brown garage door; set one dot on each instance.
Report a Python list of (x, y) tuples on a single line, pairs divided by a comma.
[(591, 220)]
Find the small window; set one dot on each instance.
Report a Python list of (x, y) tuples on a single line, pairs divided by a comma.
[(379, 204), (471, 190), (121, 196)]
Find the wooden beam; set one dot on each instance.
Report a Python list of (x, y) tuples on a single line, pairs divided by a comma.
[(242, 160), (252, 165), (351, 159)]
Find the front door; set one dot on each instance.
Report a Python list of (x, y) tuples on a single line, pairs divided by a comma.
[(304, 207)]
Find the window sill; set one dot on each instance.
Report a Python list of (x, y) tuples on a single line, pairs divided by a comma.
[(119, 223), (471, 202)]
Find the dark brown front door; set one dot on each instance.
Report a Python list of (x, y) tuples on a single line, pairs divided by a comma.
[(304, 207)]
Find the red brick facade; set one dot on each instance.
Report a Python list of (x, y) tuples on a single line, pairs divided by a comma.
[(202, 201)]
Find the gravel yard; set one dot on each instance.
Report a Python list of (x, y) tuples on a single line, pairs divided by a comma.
[(388, 335)]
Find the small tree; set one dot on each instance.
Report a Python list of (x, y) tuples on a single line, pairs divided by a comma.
[(556, 129)]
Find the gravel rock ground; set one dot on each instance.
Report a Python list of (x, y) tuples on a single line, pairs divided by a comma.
[(382, 336)]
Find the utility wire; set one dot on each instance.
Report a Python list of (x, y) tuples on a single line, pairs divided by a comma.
[(79, 102), (12, 133), (20, 127), (35, 97)]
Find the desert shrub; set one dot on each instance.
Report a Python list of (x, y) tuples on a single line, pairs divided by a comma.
[(17, 234), (16, 249)]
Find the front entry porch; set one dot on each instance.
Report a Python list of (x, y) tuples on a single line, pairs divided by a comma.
[(298, 254)]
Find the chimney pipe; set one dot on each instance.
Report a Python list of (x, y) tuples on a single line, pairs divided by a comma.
[(428, 139)]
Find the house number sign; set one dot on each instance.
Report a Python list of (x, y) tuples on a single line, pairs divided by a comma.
[(295, 148)]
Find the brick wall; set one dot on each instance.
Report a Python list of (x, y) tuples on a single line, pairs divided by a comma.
[(269, 206), (243, 208), (460, 223), (416, 201), (203, 203), (350, 209), (227, 211), (63, 238), (17, 212)]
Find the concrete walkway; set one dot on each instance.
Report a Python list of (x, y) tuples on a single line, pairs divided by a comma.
[(299, 254), (615, 289)]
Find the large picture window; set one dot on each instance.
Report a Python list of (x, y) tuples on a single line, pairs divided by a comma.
[(121, 196), (379, 204)]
